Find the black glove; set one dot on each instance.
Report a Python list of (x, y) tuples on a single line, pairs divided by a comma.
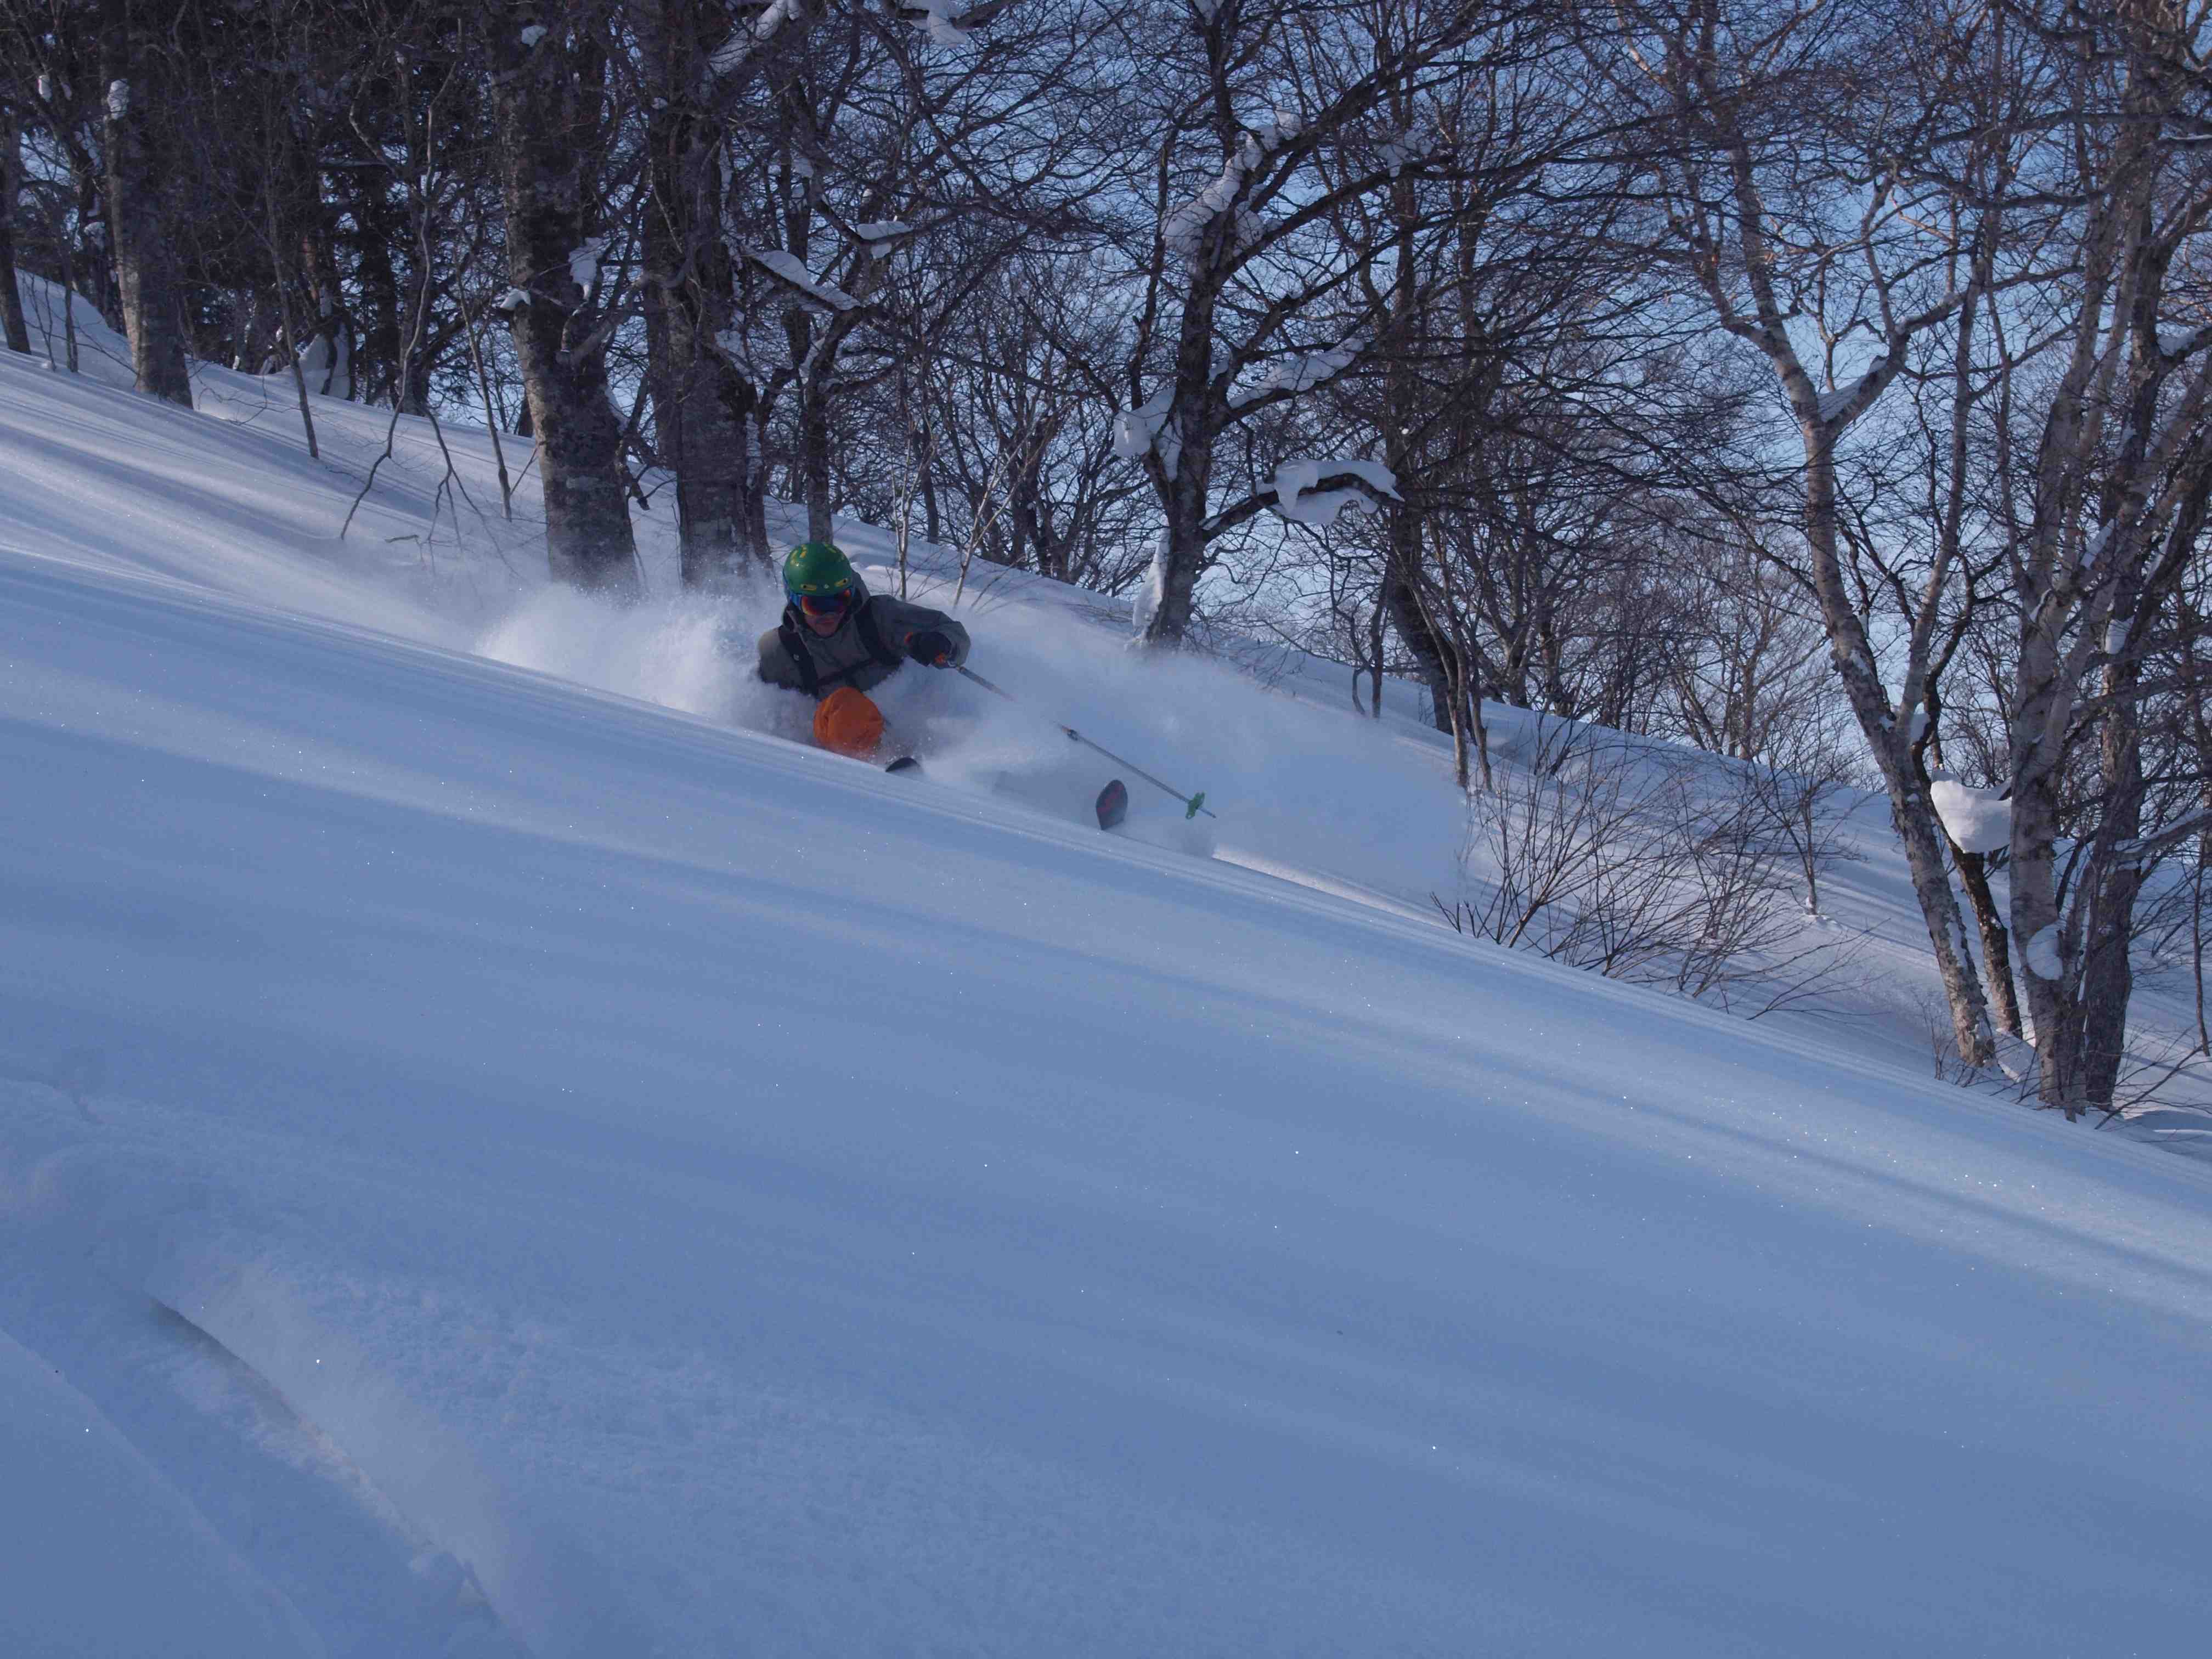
[(930, 646)]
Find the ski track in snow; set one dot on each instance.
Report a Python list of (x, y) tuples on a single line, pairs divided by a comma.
[(488, 1165)]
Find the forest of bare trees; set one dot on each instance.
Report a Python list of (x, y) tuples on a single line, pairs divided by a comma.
[(1828, 385)]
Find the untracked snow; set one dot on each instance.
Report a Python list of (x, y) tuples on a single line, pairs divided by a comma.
[(493, 1165)]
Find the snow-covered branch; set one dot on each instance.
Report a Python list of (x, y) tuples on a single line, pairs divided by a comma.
[(1317, 492), (1139, 431), (1302, 372), (1184, 229), (734, 53), (788, 269)]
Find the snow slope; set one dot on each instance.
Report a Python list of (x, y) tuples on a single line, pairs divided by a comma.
[(490, 1165)]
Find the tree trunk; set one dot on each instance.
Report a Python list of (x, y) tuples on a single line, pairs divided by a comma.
[(704, 403), (1996, 943), (1181, 553), (137, 190), (377, 362), (333, 335), (2033, 873), (11, 180), (2115, 881), (547, 97), (814, 454), (1375, 622), (1438, 660), (1973, 870), (1180, 462), (1910, 810), (412, 395)]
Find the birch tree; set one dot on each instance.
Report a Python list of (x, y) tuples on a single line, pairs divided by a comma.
[(699, 64), (140, 195), (1804, 167), (547, 66), (2108, 507)]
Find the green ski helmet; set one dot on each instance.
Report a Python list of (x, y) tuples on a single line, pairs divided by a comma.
[(818, 570)]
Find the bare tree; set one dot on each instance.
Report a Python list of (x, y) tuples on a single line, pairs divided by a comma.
[(1819, 181), (2106, 512), (1012, 373), (1621, 857), (1260, 121)]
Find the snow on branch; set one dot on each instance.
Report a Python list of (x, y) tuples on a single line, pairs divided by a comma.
[(1139, 430), (1185, 228), (1397, 153), (2043, 956), (1302, 372), (787, 268), (1976, 820), (584, 263), (881, 235), (1316, 493), (2174, 344), (2143, 848), (735, 52), (1833, 404), (948, 23)]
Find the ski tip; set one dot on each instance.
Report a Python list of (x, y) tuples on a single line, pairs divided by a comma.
[(904, 763), (1113, 804)]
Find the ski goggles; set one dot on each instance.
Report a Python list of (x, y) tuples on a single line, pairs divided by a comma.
[(825, 605)]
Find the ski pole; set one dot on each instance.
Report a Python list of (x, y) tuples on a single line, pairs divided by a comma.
[(1193, 805)]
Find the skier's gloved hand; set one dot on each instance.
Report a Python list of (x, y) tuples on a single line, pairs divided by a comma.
[(928, 646)]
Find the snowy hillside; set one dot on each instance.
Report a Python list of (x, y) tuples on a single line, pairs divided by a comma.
[(501, 1153)]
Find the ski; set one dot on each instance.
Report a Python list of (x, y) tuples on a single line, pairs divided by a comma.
[(1113, 804)]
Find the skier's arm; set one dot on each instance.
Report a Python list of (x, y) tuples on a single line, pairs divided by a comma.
[(904, 620)]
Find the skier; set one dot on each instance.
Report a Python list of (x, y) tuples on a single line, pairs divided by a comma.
[(837, 640)]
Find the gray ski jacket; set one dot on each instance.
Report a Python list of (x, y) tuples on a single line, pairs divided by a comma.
[(867, 648)]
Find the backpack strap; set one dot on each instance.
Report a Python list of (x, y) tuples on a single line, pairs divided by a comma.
[(872, 636), (810, 677), (817, 684)]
